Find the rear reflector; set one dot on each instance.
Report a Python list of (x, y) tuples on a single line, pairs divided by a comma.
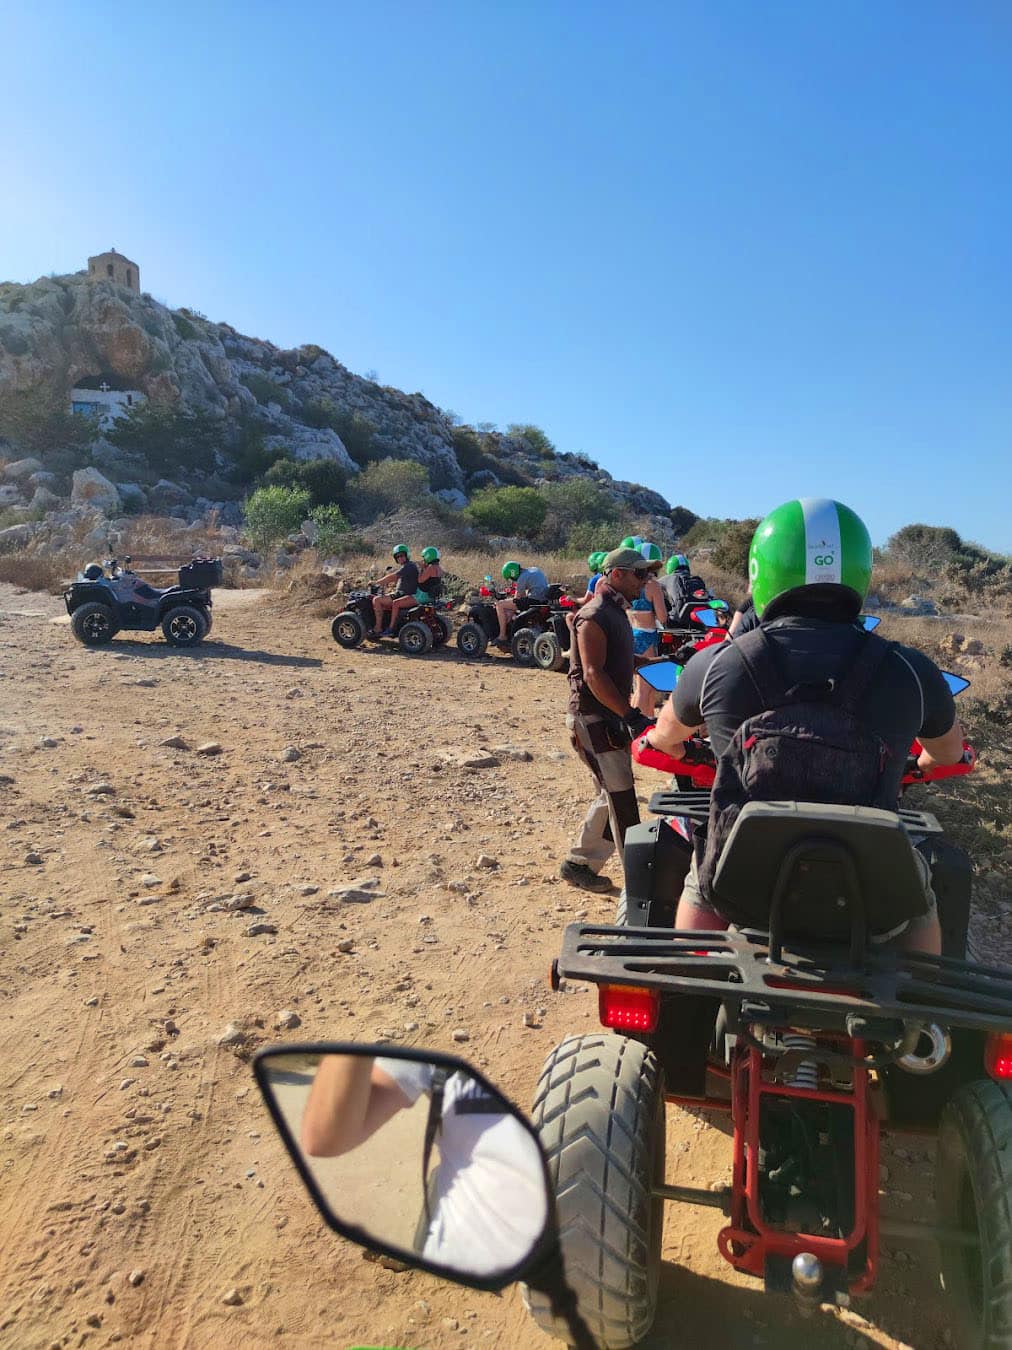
[(628, 1009), (998, 1055)]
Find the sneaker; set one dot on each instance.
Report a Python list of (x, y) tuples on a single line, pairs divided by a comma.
[(579, 874), (387, 632)]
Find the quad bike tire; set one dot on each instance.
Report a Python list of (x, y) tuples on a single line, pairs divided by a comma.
[(348, 630), (446, 627), (415, 639), (973, 1184), (472, 640), (94, 624), (599, 1111), (522, 645), (184, 626), (548, 655)]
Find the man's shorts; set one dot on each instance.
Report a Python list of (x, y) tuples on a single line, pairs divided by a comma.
[(644, 641)]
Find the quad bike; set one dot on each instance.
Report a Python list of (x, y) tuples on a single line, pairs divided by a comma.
[(811, 1038), (417, 630), (536, 621), (107, 598)]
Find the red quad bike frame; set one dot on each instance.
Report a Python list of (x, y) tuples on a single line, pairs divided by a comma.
[(750, 1242)]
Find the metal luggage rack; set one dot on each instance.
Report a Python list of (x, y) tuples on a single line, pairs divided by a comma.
[(735, 967), (695, 805)]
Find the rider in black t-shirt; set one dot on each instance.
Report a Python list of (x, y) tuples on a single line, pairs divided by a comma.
[(810, 566), (406, 576)]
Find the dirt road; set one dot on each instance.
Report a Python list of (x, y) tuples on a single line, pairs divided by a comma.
[(142, 1181)]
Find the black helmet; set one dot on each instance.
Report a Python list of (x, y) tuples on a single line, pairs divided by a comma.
[(92, 572)]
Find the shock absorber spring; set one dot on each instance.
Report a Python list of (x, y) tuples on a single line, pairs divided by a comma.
[(806, 1072)]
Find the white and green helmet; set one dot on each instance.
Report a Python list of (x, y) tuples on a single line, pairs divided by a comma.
[(811, 541), (650, 551)]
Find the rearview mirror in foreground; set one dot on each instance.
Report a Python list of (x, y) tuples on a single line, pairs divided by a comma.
[(662, 675), (415, 1155)]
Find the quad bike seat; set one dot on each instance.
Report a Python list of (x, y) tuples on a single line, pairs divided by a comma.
[(820, 871), (146, 592)]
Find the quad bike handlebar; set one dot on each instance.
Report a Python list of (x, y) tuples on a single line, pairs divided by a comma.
[(699, 763)]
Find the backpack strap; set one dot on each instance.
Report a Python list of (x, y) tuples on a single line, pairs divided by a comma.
[(433, 1123), (852, 687), (756, 652), (758, 657)]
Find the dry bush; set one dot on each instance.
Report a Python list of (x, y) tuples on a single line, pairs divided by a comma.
[(48, 572)]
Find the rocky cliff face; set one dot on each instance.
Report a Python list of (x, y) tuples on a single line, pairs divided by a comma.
[(58, 331)]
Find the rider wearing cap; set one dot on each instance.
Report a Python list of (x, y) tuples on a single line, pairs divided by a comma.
[(601, 722), (810, 567), (406, 576), (528, 583)]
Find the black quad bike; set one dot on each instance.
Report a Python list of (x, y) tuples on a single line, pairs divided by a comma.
[(418, 629), (109, 598), (537, 634), (812, 1038)]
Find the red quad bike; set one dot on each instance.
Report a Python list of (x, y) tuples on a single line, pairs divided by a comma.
[(417, 631), (811, 1038)]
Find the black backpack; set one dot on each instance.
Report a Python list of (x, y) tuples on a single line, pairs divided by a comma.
[(808, 745)]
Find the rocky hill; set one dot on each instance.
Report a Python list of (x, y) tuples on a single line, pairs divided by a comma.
[(67, 331)]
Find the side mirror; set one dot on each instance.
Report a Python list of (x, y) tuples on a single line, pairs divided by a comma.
[(707, 618), (414, 1154), (662, 675), (869, 622), (956, 683)]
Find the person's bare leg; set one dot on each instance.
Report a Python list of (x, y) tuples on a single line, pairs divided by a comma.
[(646, 698), (504, 609), (922, 935), (693, 914), (379, 603)]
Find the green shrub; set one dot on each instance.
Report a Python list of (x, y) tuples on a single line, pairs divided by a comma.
[(324, 479), (730, 553), (320, 412), (39, 420), (358, 436), (184, 327), (265, 390), (578, 500), (534, 437), (468, 448), (388, 485), (924, 547), (273, 512), (251, 459), (169, 440), (682, 520), (331, 526), (508, 510), (584, 539)]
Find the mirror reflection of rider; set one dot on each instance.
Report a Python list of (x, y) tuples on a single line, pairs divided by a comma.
[(486, 1204), (810, 565)]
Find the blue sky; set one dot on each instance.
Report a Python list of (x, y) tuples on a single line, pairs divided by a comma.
[(737, 251)]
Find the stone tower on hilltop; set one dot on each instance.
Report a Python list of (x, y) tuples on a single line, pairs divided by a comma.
[(112, 266)]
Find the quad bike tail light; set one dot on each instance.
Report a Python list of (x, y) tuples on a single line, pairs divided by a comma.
[(998, 1056), (628, 1008)]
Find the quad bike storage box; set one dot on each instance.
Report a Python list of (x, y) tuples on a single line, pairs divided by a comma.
[(201, 574)]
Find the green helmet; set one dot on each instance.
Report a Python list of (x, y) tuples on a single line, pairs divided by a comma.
[(430, 555), (596, 559), (810, 541), (651, 552), (401, 548), (678, 562), (510, 571), (631, 541)]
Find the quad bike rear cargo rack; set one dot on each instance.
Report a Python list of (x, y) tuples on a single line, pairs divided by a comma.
[(813, 984)]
